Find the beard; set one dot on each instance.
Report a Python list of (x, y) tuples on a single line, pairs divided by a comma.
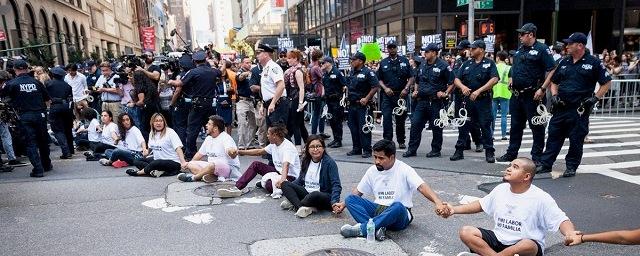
[(148, 61), (379, 167)]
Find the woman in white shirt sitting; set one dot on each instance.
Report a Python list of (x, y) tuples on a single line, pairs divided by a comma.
[(87, 138), (166, 148), (108, 132), (130, 144), (318, 186)]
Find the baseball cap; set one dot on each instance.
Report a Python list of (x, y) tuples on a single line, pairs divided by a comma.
[(58, 71), (199, 56), (463, 44), (327, 59), (392, 44), (430, 47), (576, 37), (20, 64), (359, 56), (478, 44), (528, 28)]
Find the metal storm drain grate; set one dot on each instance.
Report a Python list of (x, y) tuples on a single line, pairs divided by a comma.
[(210, 190), (339, 252)]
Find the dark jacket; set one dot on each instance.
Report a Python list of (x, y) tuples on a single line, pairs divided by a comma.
[(329, 178)]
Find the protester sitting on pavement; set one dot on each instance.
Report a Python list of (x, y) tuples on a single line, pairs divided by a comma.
[(222, 156), (318, 186), (522, 212), (108, 132), (90, 116), (168, 157), (130, 144), (285, 160), (627, 237), (392, 183)]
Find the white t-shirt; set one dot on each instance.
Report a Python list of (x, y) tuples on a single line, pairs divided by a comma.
[(133, 140), (102, 82), (216, 148), (271, 74), (394, 185), (164, 148), (92, 132), (78, 86), (522, 216), (106, 136), (286, 152), (312, 178)]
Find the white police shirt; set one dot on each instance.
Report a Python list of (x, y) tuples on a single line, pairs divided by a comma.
[(271, 74)]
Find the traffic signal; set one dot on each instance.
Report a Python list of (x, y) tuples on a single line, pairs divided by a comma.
[(487, 27)]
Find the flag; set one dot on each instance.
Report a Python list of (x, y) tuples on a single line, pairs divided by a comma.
[(590, 43)]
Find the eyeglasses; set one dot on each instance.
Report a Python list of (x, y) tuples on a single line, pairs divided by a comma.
[(315, 146)]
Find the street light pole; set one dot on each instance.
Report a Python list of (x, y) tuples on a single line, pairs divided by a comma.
[(471, 25)]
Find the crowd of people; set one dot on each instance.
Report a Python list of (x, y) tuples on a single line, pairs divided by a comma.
[(150, 117)]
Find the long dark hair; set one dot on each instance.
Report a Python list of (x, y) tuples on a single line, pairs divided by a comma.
[(306, 159), (121, 129)]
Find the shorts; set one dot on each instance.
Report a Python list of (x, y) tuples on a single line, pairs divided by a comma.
[(490, 237), (222, 168)]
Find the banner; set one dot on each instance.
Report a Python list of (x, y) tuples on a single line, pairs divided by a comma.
[(277, 4), (490, 40), (343, 55), (451, 39), (285, 43), (3, 37), (436, 38), (148, 38), (384, 40), (411, 43)]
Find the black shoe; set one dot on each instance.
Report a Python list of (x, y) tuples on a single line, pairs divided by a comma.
[(479, 148), (325, 136), (542, 169), (490, 157), (36, 175), (354, 152), (467, 147), (381, 234), (569, 173), (331, 143), (433, 154), (66, 156), (402, 146), (505, 158), (16, 163), (259, 184), (132, 172), (338, 144), (458, 155), (409, 154), (6, 168), (366, 155)]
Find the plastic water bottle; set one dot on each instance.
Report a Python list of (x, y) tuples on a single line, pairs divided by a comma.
[(371, 231)]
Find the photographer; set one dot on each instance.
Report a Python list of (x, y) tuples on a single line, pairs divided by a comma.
[(110, 90), (150, 70)]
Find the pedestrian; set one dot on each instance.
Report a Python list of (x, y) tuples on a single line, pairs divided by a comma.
[(272, 88), (246, 106), (434, 82), (5, 133), (90, 117), (335, 85), (110, 89), (394, 77), (61, 111), (392, 183), (572, 86), (316, 94), (226, 94), (501, 95), (474, 79), (150, 70), (29, 96), (363, 85), (532, 64), (295, 79)]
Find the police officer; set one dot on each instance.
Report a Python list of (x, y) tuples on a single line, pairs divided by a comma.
[(334, 86), (475, 79), (433, 85), (272, 87), (394, 76), (463, 56), (180, 110), (363, 84), (198, 92), (61, 111), (28, 97), (527, 75), (572, 86)]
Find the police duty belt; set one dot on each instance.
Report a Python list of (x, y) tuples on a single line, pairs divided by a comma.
[(525, 90)]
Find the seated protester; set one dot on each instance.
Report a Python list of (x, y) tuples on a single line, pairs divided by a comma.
[(392, 183), (130, 145), (90, 130), (285, 159), (522, 212), (108, 133), (222, 156), (318, 186), (168, 157)]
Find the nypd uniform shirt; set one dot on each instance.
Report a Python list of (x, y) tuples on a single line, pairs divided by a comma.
[(476, 74), (59, 91), (394, 72), (433, 78), (530, 64), (271, 75), (27, 93), (201, 82), (333, 82), (577, 81), (361, 82)]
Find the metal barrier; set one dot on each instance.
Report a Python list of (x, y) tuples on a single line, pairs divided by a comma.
[(622, 99)]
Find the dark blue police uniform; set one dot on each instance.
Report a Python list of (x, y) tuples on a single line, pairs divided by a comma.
[(528, 73), (361, 81), (431, 78), (28, 97), (223, 101), (334, 83), (61, 112), (395, 74), (180, 112), (576, 83)]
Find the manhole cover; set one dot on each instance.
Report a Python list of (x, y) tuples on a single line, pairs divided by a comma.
[(210, 190), (339, 252)]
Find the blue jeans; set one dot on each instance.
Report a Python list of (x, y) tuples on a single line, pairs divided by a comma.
[(395, 217), (504, 110), (7, 142), (34, 127), (123, 154), (317, 122)]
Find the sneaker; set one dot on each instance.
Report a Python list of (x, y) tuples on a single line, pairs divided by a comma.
[(569, 173), (286, 205), (505, 158), (119, 164), (458, 155), (185, 177), (6, 168), (304, 211), (105, 162), (16, 163), (88, 154), (209, 178), (229, 192), (351, 231), (132, 172), (156, 173), (381, 234), (479, 148)]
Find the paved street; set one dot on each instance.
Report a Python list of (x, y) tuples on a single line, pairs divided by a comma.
[(82, 208)]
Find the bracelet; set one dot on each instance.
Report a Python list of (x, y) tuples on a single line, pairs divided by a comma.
[(581, 241)]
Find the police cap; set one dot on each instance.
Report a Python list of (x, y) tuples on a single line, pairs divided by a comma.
[(359, 56), (58, 71), (478, 44), (430, 47), (199, 56), (392, 44), (265, 48), (528, 28), (464, 44), (576, 37), (20, 64)]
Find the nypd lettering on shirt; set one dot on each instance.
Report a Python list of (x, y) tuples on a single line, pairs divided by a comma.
[(587, 66), (436, 70), (332, 76), (28, 88), (485, 66)]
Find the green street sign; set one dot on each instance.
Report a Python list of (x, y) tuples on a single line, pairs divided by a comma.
[(485, 4), (462, 2)]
